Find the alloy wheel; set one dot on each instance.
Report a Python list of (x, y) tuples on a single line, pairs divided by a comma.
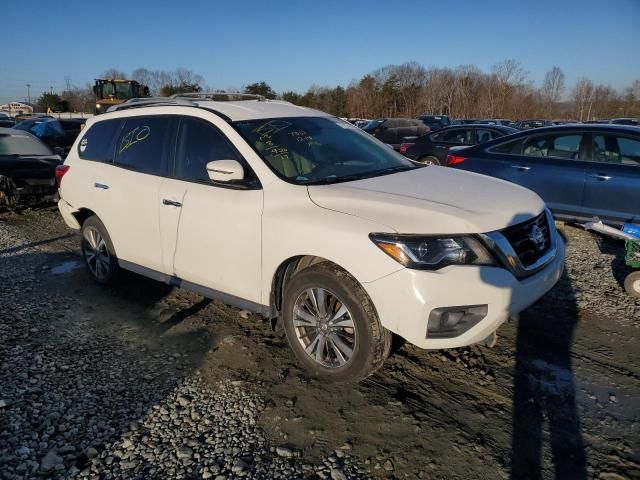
[(324, 327), (96, 253)]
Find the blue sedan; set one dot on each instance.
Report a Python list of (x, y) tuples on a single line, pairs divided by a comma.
[(580, 171)]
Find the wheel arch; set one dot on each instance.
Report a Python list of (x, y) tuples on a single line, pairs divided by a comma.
[(82, 214), (283, 274)]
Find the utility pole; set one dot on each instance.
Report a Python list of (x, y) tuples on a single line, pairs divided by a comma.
[(29, 93)]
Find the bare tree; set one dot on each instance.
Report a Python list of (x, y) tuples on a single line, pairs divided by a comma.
[(113, 74), (552, 89), (582, 96)]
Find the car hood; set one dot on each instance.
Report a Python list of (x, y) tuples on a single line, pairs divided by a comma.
[(432, 200)]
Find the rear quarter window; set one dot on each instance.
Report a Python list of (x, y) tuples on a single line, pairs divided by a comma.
[(512, 147), (97, 143)]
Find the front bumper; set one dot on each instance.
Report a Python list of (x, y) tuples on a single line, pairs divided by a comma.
[(405, 299)]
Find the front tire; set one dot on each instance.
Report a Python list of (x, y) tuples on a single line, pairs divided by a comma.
[(98, 252), (632, 284), (332, 326), (429, 160)]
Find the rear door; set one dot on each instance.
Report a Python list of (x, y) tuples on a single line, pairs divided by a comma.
[(612, 186), (127, 191)]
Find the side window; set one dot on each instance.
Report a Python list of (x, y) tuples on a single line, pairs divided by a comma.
[(621, 150), (198, 144), (557, 146), (98, 142), (512, 147), (142, 144), (485, 135), (458, 136)]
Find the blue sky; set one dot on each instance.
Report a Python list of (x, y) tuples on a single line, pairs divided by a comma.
[(292, 45)]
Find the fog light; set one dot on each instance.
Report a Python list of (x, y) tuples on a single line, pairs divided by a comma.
[(448, 322)]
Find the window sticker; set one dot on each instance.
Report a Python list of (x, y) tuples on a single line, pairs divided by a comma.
[(83, 144)]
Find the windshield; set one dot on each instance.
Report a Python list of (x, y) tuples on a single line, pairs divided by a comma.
[(309, 150), (372, 125), (22, 145), (119, 90)]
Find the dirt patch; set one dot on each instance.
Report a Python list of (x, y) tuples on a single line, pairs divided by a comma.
[(564, 379)]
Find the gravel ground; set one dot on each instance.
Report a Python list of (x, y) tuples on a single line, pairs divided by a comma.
[(77, 399), (142, 381)]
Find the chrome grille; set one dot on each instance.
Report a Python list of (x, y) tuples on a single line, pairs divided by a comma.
[(530, 240)]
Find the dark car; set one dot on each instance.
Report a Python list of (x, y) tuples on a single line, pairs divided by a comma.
[(496, 121), (581, 171), (527, 124), (434, 148), (27, 168), (29, 123), (6, 121), (394, 130), (435, 122), (58, 133), (625, 121)]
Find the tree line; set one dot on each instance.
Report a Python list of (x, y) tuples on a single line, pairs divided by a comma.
[(410, 89)]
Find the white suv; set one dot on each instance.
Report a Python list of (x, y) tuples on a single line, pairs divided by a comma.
[(299, 216)]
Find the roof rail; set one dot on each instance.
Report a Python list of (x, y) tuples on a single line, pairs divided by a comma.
[(149, 102), (220, 96)]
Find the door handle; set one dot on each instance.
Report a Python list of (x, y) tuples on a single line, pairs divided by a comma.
[(521, 167), (601, 177), (172, 203), (101, 185)]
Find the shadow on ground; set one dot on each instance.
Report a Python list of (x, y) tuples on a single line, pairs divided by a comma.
[(81, 365)]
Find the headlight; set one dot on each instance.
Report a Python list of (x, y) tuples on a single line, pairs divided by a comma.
[(431, 253)]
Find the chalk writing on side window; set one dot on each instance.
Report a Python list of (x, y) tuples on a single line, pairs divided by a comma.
[(136, 135)]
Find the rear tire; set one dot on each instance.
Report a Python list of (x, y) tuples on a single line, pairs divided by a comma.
[(632, 284), (98, 252), (332, 326), (429, 160)]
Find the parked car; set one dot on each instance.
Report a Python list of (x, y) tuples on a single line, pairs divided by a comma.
[(393, 131), (433, 148), (6, 121), (463, 121), (28, 124), (297, 215), (625, 121), (27, 168), (59, 134), (435, 122), (527, 124), (496, 121), (580, 171)]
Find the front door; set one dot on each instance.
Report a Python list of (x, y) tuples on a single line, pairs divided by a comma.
[(551, 165), (612, 187), (218, 237)]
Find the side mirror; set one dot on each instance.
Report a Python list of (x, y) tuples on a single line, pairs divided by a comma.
[(225, 170)]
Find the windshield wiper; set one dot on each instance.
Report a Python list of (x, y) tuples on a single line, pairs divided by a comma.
[(347, 178), (333, 179)]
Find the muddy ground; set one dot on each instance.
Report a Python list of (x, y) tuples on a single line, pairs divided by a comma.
[(558, 396)]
